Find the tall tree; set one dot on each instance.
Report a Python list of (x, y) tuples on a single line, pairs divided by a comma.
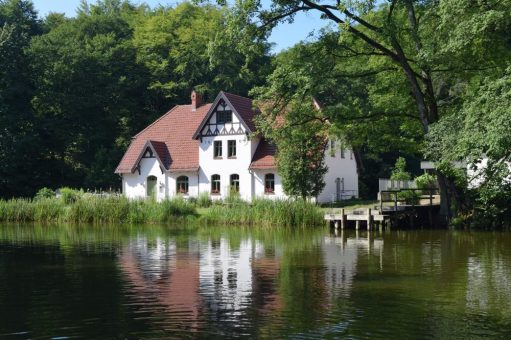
[(430, 45), (89, 99), (18, 24)]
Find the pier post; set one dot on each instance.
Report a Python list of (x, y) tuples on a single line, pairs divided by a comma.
[(357, 224), (369, 219), (336, 224), (343, 219)]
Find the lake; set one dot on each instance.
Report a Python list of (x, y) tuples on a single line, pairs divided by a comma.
[(150, 281)]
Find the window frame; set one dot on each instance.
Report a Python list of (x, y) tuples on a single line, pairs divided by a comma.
[(231, 145), (224, 117), (215, 181), (235, 182), (269, 189), (182, 180), (217, 146)]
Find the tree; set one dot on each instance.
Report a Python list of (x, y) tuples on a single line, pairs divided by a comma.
[(301, 149), (480, 134), (431, 46), (90, 95), (190, 47), (18, 24)]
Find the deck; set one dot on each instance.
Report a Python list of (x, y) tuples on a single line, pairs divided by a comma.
[(415, 210)]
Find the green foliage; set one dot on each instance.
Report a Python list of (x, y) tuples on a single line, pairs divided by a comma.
[(399, 172), (426, 181), (94, 209), (44, 193), (203, 200), (263, 212), (69, 196)]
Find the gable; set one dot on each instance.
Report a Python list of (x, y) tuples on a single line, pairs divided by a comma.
[(222, 121), (226, 118)]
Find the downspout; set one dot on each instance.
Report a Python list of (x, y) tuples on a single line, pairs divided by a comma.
[(198, 181)]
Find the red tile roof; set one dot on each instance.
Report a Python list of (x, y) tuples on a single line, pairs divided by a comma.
[(264, 157), (244, 108), (171, 137)]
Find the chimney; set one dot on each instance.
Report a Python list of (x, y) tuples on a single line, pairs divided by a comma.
[(196, 100)]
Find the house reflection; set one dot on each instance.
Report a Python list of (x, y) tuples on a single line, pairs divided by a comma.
[(199, 281), (161, 275)]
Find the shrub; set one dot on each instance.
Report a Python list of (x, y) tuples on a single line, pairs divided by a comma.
[(69, 195), (426, 181), (44, 193)]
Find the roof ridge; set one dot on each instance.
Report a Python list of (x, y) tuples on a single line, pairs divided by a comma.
[(236, 95)]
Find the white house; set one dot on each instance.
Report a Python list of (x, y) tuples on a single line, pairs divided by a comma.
[(212, 148)]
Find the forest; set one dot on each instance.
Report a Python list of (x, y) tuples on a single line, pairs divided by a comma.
[(418, 79)]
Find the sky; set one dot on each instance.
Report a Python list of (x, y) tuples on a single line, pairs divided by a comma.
[(284, 36)]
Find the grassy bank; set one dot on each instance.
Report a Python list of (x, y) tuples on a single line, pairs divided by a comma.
[(84, 208)]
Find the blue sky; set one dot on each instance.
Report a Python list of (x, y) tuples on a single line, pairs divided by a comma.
[(283, 36)]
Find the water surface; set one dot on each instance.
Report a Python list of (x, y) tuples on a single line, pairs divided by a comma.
[(145, 282)]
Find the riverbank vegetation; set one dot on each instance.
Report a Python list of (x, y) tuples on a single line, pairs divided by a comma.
[(76, 206)]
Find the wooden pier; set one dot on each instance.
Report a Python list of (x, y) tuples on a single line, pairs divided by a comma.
[(419, 211)]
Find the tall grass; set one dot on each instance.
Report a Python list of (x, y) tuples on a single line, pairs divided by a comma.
[(79, 207), (95, 210), (266, 212)]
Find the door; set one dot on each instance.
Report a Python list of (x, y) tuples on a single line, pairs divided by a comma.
[(151, 187), (339, 188)]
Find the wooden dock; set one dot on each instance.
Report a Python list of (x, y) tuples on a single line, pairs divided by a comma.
[(385, 216)]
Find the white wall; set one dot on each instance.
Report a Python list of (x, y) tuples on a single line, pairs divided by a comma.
[(225, 166), (338, 167), (259, 185), (192, 183), (134, 185)]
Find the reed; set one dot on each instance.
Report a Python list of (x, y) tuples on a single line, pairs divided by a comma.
[(264, 212), (81, 208), (94, 210)]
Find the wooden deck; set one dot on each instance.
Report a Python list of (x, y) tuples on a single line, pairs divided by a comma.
[(386, 215)]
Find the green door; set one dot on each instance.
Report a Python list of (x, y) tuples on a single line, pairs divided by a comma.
[(151, 187)]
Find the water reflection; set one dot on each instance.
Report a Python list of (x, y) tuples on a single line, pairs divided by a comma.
[(149, 282)]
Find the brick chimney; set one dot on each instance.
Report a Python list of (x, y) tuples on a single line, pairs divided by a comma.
[(196, 100)]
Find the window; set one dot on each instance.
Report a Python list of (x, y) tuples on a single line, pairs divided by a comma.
[(269, 184), (182, 185), (342, 151), (231, 148), (218, 149), (223, 117), (151, 187), (332, 148), (235, 182), (215, 184)]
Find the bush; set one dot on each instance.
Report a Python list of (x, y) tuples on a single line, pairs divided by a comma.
[(69, 195), (426, 181), (44, 193)]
